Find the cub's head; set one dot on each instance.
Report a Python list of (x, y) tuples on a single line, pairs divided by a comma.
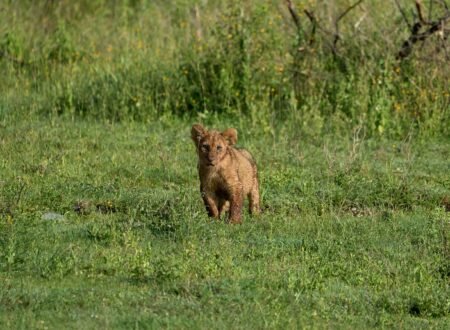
[(212, 145)]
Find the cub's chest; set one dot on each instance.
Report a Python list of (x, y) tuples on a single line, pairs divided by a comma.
[(211, 178), (214, 180)]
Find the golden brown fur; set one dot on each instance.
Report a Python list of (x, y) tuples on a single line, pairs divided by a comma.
[(227, 175)]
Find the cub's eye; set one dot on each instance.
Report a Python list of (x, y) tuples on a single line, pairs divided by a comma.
[(205, 147), (219, 148)]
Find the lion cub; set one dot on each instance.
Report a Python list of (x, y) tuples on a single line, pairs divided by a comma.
[(227, 175)]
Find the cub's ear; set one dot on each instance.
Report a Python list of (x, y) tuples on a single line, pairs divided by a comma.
[(230, 134), (197, 132)]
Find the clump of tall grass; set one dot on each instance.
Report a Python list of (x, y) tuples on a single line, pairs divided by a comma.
[(138, 60)]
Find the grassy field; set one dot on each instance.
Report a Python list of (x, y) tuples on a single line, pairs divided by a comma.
[(352, 233), (101, 219)]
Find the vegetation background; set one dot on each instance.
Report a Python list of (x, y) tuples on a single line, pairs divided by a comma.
[(345, 105)]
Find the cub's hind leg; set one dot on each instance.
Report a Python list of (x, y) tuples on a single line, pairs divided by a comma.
[(253, 197), (236, 203)]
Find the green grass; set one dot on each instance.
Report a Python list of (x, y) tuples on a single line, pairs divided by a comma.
[(101, 220), (352, 234)]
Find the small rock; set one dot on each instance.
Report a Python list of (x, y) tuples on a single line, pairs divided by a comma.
[(52, 216)]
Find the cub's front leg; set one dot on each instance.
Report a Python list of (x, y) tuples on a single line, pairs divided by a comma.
[(211, 205)]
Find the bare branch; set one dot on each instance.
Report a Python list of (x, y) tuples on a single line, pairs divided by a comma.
[(294, 15), (345, 12), (419, 12), (315, 21), (416, 35), (403, 15), (314, 24), (311, 16), (337, 36)]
